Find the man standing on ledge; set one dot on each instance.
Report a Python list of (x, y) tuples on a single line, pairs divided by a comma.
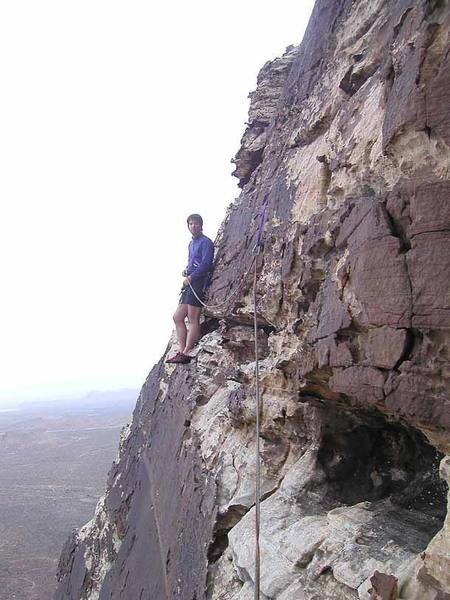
[(200, 262)]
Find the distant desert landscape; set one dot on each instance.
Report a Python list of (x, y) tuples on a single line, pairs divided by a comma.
[(54, 461)]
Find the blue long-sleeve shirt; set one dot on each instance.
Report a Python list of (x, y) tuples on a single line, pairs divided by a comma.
[(201, 257)]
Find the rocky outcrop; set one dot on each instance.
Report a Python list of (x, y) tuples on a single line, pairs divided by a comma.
[(348, 142)]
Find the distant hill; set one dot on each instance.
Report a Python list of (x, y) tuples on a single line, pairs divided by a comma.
[(112, 400)]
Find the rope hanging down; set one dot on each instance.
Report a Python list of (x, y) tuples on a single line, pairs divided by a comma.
[(258, 451), (256, 251)]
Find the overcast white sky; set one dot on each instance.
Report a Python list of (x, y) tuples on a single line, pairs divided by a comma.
[(117, 120)]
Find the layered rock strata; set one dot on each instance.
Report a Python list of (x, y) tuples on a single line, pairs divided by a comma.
[(348, 139)]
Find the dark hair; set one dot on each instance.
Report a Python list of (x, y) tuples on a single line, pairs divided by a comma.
[(195, 217)]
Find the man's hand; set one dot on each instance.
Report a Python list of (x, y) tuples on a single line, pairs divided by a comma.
[(186, 281)]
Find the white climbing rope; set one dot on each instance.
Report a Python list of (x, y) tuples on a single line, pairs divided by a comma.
[(256, 251), (258, 450), (212, 306)]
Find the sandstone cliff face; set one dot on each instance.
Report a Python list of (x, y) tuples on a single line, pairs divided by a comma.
[(349, 136)]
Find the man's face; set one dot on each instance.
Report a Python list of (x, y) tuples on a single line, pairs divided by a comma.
[(195, 228)]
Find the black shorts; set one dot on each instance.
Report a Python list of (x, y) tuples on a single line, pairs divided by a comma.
[(187, 296)]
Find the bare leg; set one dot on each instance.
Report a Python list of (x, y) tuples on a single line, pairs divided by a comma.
[(179, 317), (194, 327)]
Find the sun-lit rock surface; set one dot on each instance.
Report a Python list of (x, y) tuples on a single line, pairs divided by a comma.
[(348, 138)]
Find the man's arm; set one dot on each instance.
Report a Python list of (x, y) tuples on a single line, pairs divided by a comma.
[(185, 272), (207, 254)]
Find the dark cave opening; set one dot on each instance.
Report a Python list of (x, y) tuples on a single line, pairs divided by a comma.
[(224, 523), (388, 460)]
